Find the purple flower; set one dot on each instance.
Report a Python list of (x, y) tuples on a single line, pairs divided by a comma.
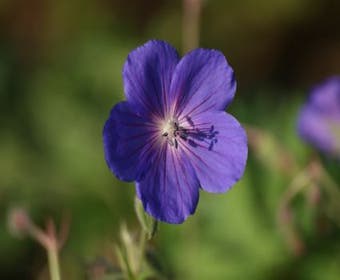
[(319, 120), (171, 135)]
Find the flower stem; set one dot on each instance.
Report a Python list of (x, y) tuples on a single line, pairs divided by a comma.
[(53, 262), (142, 243)]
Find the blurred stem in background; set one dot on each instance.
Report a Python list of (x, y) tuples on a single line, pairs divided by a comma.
[(321, 192), (191, 24), (285, 213), (20, 224), (52, 251)]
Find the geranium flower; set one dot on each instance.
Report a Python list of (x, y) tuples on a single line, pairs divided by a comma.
[(171, 135), (319, 119)]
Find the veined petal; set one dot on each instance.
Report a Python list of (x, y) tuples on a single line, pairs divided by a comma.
[(128, 140), (203, 81), (216, 145), (170, 189), (147, 75)]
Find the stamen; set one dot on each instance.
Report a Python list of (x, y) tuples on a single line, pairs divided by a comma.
[(171, 130)]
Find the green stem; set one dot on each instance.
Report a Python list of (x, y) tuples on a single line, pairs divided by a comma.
[(142, 243), (53, 262)]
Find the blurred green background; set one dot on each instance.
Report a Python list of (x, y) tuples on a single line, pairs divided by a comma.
[(60, 74)]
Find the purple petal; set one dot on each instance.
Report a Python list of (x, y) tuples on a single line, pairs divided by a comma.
[(217, 148), (202, 81), (128, 141), (319, 119), (325, 98), (147, 75), (315, 129), (170, 189)]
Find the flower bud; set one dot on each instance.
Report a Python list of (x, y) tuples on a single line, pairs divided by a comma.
[(19, 222)]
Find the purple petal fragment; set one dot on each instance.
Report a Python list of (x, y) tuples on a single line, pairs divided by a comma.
[(203, 81), (319, 119), (217, 149), (325, 98), (169, 192), (147, 75)]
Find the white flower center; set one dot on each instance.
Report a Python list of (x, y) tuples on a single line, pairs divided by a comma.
[(170, 130)]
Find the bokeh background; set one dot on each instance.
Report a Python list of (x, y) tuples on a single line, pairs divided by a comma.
[(60, 74)]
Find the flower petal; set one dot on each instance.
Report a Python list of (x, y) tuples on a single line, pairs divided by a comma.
[(325, 98), (217, 148), (315, 128), (170, 189), (128, 140), (147, 75), (319, 119), (202, 81)]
